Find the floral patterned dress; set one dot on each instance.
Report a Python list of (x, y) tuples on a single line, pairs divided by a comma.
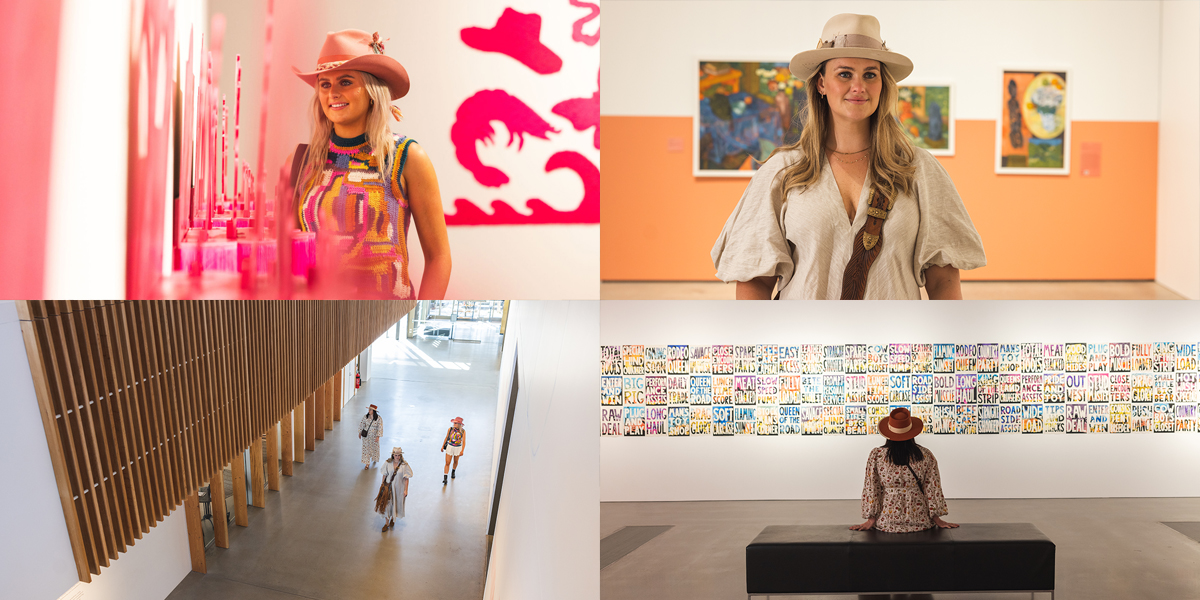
[(370, 444), (891, 496)]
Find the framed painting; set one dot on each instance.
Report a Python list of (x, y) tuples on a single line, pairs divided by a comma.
[(1033, 134), (744, 110), (925, 114)]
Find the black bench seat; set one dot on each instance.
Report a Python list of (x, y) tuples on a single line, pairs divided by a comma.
[(832, 559)]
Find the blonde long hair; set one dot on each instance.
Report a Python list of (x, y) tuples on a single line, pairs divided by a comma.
[(379, 133), (891, 165)]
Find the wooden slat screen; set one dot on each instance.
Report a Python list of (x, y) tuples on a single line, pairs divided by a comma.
[(142, 401)]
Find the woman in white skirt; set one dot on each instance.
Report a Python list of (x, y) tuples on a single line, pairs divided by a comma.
[(370, 429), (396, 473), (454, 446)]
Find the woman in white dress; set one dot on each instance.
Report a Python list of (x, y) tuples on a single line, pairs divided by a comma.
[(852, 210), (370, 429), (396, 473)]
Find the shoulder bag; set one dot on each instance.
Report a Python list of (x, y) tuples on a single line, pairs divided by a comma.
[(384, 497), (867, 245)]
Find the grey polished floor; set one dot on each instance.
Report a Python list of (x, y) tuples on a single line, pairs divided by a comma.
[(1105, 548), (318, 538)]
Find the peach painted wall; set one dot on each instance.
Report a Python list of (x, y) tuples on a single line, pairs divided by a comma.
[(659, 222)]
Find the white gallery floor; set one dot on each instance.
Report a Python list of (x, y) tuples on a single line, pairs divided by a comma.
[(1105, 548)]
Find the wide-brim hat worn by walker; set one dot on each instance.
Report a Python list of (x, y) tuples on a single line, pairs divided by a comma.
[(358, 50), (850, 36), (900, 425), (458, 420), (397, 450)]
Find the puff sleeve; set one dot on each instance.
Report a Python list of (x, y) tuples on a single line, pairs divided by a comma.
[(872, 495), (932, 481), (946, 235), (752, 243)]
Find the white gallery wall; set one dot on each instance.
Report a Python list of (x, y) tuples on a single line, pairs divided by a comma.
[(662, 468), (963, 42), (1178, 256), (37, 562), (545, 545)]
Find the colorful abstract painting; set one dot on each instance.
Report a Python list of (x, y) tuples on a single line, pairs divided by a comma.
[(745, 110), (924, 115), (1033, 133)]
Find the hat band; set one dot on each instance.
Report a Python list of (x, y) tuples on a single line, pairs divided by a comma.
[(853, 40), (325, 66), (900, 429)]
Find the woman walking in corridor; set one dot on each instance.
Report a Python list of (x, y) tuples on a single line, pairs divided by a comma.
[(370, 430), (454, 446), (394, 490)]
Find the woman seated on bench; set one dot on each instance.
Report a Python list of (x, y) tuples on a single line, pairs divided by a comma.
[(903, 489)]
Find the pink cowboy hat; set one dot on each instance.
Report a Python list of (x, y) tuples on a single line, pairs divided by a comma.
[(358, 50), (456, 420)]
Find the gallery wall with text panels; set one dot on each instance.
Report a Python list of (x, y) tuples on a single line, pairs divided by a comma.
[(689, 385)]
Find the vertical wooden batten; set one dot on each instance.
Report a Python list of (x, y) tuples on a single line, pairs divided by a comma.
[(195, 533), (257, 481), (238, 468), (285, 443), (216, 490), (273, 458)]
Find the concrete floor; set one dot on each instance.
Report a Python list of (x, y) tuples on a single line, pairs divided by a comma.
[(318, 537), (972, 290), (1105, 548)]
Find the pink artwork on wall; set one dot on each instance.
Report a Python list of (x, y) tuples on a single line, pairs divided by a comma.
[(577, 33), (516, 34), (583, 113), (588, 211), (473, 123)]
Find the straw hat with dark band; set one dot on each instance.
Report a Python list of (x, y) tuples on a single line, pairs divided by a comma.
[(900, 426), (850, 36)]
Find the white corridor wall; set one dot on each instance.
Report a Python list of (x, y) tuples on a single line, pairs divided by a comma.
[(663, 468), (546, 544)]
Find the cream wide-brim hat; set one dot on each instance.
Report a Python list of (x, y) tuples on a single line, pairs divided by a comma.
[(850, 36)]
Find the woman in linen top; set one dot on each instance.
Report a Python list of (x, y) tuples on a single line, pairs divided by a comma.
[(360, 184), (892, 500), (373, 425), (396, 473), (796, 222)]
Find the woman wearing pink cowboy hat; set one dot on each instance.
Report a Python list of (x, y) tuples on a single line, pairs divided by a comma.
[(903, 489), (359, 184), (852, 210), (454, 446)]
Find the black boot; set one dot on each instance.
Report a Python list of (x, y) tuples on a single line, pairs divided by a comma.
[(452, 473), (444, 480)]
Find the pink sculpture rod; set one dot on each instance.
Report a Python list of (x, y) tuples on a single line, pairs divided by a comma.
[(237, 119), (260, 172), (183, 216), (224, 149)]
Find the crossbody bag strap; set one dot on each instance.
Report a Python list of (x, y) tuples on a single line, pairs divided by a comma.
[(297, 162), (868, 243), (922, 488)]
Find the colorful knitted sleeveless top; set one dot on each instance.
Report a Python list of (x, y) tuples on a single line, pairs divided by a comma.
[(365, 206), (456, 436)]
